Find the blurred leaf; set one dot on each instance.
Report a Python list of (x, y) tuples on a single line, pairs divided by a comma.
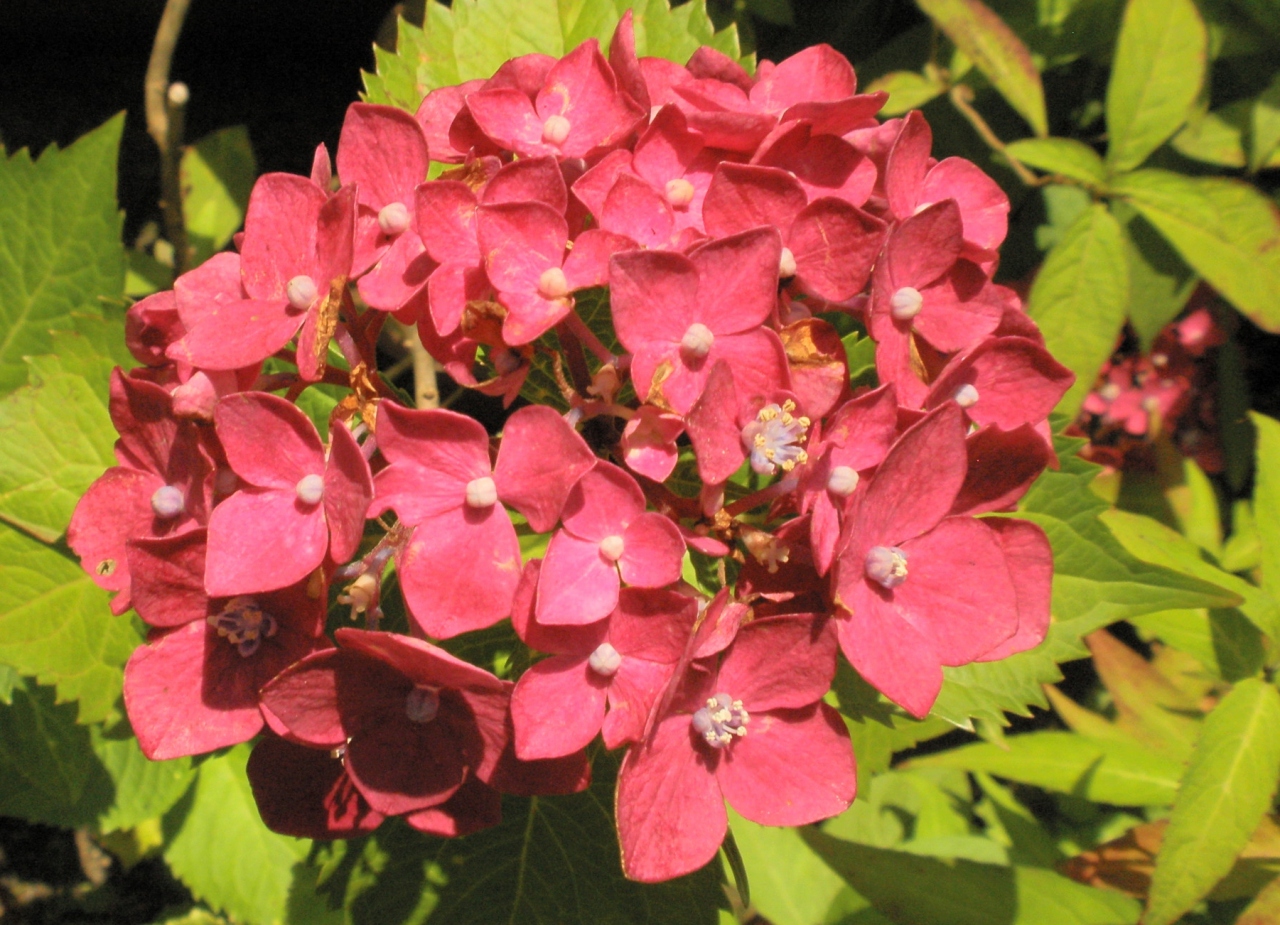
[(1156, 271), (216, 174), (1265, 908), (860, 352), (1264, 126), (914, 890), (1063, 156), (8, 680), (1266, 498), (996, 51), (1265, 13), (1014, 826), (1224, 641), (1242, 551), (790, 885), (877, 727), (1226, 230), (778, 12), (907, 90), (55, 439), (1195, 506), (145, 274), (218, 847), (55, 625), (471, 39), (60, 251), (1063, 205), (1080, 299), (1125, 774), (1159, 65), (142, 789), (1226, 791)]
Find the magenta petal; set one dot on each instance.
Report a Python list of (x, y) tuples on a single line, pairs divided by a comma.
[(792, 767), (348, 490), (519, 241), (399, 274), (588, 263), (634, 691), (540, 460), (602, 503), (671, 817), (635, 209), (167, 585), (116, 506), (242, 333), (1018, 382), (741, 197), (759, 364), (280, 234), (817, 73), (474, 807), (530, 179), (889, 653), (449, 289), (578, 585), (835, 246), (261, 541), (984, 207), (445, 600), (667, 148), (292, 452), (713, 427), (418, 660), (557, 707), (400, 766), (905, 168), (1030, 560), (1002, 466), (301, 703), (649, 443), (651, 624), (433, 455), (924, 246), (653, 551), (780, 663), (306, 793), (530, 315), (445, 219), (737, 280), (506, 115), (436, 113), (384, 152)]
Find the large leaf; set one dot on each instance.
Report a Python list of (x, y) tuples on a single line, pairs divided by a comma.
[(216, 174), (1096, 582), (55, 439), (1063, 156), (1266, 497), (218, 847), (1227, 789), (913, 890), (1080, 298), (551, 860), (996, 51), (473, 38), (1123, 773), (1226, 230), (60, 248), (55, 625), (1156, 271), (1159, 66)]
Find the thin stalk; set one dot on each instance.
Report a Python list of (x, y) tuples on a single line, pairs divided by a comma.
[(165, 108)]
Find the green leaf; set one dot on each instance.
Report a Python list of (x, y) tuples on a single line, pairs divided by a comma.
[(1227, 790), (142, 789), (60, 251), (1156, 271), (996, 51), (55, 439), (1266, 497), (907, 90), (1226, 230), (1159, 66), (474, 37), (1096, 582), (216, 174), (217, 845), (790, 885), (1265, 908), (551, 860), (914, 890), (1242, 552), (1264, 126), (1223, 641), (1062, 156), (55, 625), (1111, 771), (8, 681), (1215, 137), (1080, 298)]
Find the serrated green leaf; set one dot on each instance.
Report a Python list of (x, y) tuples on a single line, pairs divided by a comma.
[(217, 845), (1080, 299), (1156, 271), (142, 789), (1126, 774), (216, 174), (474, 37), (55, 625), (55, 439), (1096, 582), (790, 885), (913, 890), (1226, 230), (1266, 498), (1063, 156), (996, 51), (907, 90), (1160, 62), (61, 250), (1227, 789)]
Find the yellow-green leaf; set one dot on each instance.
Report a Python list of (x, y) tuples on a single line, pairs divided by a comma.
[(1063, 156)]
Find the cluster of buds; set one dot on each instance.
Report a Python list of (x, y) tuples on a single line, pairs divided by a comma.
[(735, 221)]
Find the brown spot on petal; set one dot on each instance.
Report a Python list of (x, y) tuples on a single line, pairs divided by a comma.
[(105, 567), (482, 322), (660, 375), (472, 173), (327, 321)]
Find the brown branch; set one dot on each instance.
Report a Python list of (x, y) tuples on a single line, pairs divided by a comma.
[(165, 107)]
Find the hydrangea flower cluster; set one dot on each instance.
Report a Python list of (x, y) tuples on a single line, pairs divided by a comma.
[(734, 220)]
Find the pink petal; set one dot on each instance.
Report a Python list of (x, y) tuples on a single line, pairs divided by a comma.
[(652, 625), (293, 451), (632, 695), (1030, 561), (280, 234), (588, 263), (625, 64), (835, 246), (578, 585), (384, 152), (240, 334), (557, 707), (737, 280), (348, 491), (667, 148), (530, 315), (816, 73), (959, 310), (398, 275), (742, 197), (713, 427), (581, 88), (400, 766), (507, 116), (653, 550), (558, 640), (908, 160), (260, 540), (1018, 382), (530, 179), (780, 663), (923, 247), (889, 652), (671, 817), (519, 241), (421, 662), (301, 703), (649, 443), (602, 503), (540, 460), (445, 219), (1002, 466), (984, 207), (759, 364), (168, 578), (433, 455), (449, 289), (792, 767), (635, 209), (654, 297), (116, 506), (436, 113)]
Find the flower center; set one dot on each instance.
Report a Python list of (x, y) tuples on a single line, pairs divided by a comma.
[(310, 489), (774, 438), (720, 720), (697, 341), (422, 704), (679, 192), (393, 219), (482, 492), (301, 291), (787, 264), (244, 624), (906, 303), (612, 547), (168, 502), (555, 130), (605, 660), (842, 481), (966, 396), (552, 284), (887, 566)]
